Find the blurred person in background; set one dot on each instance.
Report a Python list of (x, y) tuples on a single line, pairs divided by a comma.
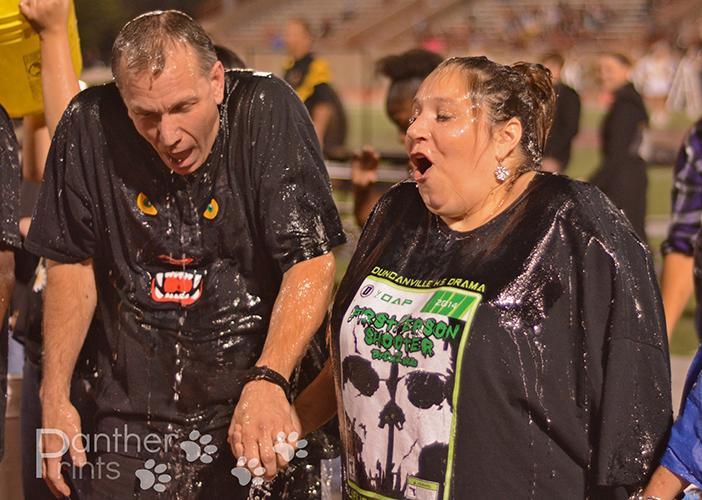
[(681, 463), (622, 173), (406, 73), (10, 241), (686, 89), (311, 77), (49, 18), (653, 76), (681, 258), (566, 121)]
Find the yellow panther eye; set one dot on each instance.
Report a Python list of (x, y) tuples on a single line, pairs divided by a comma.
[(145, 205), (212, 210)]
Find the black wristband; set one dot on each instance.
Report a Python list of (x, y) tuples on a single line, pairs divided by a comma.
[(269, 375)]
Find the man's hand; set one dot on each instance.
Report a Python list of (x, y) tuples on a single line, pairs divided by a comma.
[(46, 16), (61, 422), (262, 420)]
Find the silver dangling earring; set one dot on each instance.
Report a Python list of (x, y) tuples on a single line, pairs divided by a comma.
[(501, 172)]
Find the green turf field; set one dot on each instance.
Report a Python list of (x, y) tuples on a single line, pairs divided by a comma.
[(372, 127)]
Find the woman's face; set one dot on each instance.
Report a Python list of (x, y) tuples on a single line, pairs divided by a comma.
[(450, 146)]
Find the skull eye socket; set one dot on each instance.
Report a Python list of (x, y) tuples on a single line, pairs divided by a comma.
[(211, 210), (145, 205)]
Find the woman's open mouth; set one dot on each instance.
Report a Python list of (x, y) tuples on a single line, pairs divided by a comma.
[(421, 163)]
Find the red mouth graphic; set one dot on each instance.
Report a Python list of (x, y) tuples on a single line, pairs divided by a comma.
[(181, 287), (176, 262)]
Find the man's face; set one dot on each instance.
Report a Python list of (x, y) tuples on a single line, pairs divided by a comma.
[(176, 111)]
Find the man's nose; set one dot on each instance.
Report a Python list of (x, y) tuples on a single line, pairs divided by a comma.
[(169, 131)]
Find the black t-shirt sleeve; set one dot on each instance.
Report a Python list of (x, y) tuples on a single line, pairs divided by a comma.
[(10, 178), (62, 227), (322, 94), (295, 206), (627, 359)]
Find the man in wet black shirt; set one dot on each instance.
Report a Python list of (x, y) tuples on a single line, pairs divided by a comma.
[(189, 211), (10, 175)]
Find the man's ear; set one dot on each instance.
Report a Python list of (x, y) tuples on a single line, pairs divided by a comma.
[(217, 81), (507, 137)]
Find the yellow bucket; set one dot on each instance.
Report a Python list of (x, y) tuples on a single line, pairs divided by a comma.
[(20, 60)]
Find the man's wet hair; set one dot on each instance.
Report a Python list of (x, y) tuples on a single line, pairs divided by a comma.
[(142, 43)]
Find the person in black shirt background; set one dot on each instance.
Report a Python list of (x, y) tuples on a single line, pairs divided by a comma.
[(622, 173), (406, 73), (10, 176), (189, 211), (310, 76), (566, 119)]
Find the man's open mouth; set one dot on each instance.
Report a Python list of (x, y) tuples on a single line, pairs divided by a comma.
[(182, 287), (421, 162), (178, 158)]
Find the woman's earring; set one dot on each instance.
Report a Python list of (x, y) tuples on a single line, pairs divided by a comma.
[(501, 172)]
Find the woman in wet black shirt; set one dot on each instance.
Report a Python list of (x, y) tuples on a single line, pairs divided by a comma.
[(499, 332)]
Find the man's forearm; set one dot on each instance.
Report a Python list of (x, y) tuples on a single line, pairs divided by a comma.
[(69, 303), (298, 311), (7, 280), (676, 286)]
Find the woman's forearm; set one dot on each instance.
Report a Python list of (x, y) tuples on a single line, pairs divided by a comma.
[(664, 485), (316, 405)]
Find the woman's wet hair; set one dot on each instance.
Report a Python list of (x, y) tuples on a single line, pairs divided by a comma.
[(522, 90), (142, 43)]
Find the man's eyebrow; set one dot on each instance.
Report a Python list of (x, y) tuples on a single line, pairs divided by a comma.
[(185, 102), (138, 109)]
